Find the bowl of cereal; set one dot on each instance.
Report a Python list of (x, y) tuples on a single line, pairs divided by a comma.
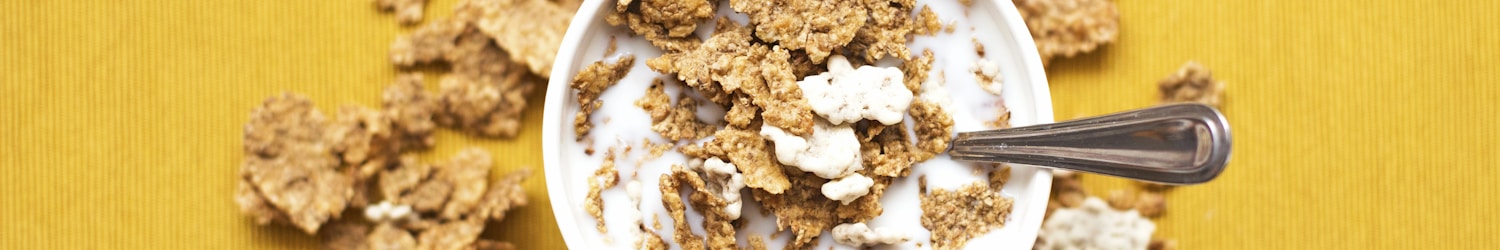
[(782, 124)]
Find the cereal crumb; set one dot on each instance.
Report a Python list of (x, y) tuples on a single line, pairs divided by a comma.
[(955, 216), (987, 75), (590, 83), (613, 45), (999, 175), (886, 150), (1121, 200), (1151, 204), (388, 236), (407, 11), (428, 44), (1066, 28), (289, 174), (1191, 83), (1094, 225), (916, 70), (934, 128), (1001, 121), (675, 122), (530, 30), (927, 22), (604, 178), (978, 47)]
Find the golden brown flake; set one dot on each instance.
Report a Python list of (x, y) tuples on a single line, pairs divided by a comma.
[(748, 151), (651, 241), (819, 27), (715, 221), (999, 175), (503, 196), (884, 33), (459, 234), (1121, 200), (407, 11), (978, 47), (886, 150), (604, 178), (955, 216), (486, 92), (1067, 191), (469, 172), (801, 208), (744, 114), (868, 206), (1151, 204), (915, 70), (387, 236), (530, 30), (934, 128), (1001, 121), (364, 140), (677, 122), (345, 235), (927, 22), (1191, 83), (678, 17), (757, 243), (411, 110), (673, 203), (1161, 244), (590, 83), (289, 166), (1065, 28), (655, 34), (427, 44)]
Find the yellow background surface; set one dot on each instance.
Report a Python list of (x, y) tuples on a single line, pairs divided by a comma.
[(1357, 124)]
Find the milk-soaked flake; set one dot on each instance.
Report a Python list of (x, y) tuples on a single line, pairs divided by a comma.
[(846, 95)]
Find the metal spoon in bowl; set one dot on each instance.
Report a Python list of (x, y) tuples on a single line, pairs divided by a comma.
[(1172, 144)]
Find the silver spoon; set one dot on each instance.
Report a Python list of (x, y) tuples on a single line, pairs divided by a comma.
[(1171, 144)]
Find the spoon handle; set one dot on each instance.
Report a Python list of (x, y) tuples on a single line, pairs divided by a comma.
[(1171, 144)]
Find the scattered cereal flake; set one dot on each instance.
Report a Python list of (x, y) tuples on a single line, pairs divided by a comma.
[(362, 135), (726, 181), (411, 110), (916, 70), (716, 220), (815, 26), (860, 235), (403, 178), (651, 241), (802, 208), (1065, 28), (757, 242), (604, 178), (388, 236), (486, 92), (927, 22), (290, 166), (831, 152), (457, 234), (591, 82), (1001, 121), (344, 235), (407, 11), (677, 122), (987, 75), (654, 33), (886, 150), (1121, 200), (845, 94), (747, 151), (867, 206), (612, 47), (1151, 204), (503, 196), (469, 171), (427, 44), (530, 30), (1094, 226), (678, 17), (929, 112), (1067, 191), (252, 203), (999, 175), (672, 201), (1191, 83), (978, 47), (955, 216), (848, 188), (743, 114), (884, 33)]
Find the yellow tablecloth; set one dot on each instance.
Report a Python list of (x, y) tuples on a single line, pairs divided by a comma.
[(1358, 124)]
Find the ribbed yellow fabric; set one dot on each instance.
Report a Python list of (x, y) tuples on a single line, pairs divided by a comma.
[(1358, 124)]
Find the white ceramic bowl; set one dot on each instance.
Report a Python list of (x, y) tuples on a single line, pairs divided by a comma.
[(998, 26)]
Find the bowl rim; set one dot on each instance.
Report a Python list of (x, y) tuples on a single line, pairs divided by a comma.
[(589, 10)]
